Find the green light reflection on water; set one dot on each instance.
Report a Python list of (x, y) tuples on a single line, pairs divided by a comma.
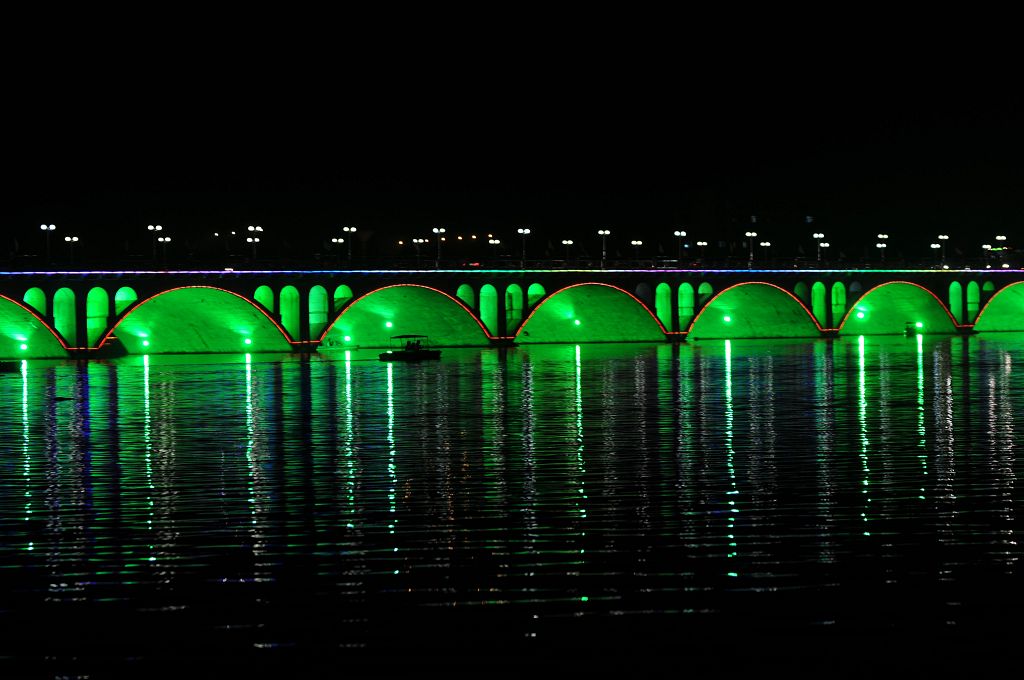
[(862, 415), (922, 443), (730, 455), (25, 447)]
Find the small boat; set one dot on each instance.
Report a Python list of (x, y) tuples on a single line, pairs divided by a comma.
[(410, 348)]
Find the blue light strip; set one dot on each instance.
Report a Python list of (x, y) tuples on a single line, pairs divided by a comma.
[(165, 272)]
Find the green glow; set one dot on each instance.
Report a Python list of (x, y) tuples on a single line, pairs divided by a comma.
[(317, 311), (891, 306), (64, 317), (753, 310), (23, 336), (289, 304), (919, 324), (489, 307), (248, 341), (97, 308), (197, 320), (1005, 311), (609, 314), (513, 307), (534, 294), (36, 299), (124, 298), (373, 319), (265, 296)]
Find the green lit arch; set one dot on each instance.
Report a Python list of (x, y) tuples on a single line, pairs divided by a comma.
[(467, 295), (363, 323), (908, 301), (513, 306), (20, 325), (288, 307), (36, 299), (318, 310), (1004, 310), (764, 316), (555, 318), (663, 304), (97, 314), (185, 320), (124, 297), (265, 296), (65, 316)]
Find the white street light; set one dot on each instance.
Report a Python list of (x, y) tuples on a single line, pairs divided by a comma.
[(604, 233), (153, 229), (567, 242), (71, 241), (524, 232), (438, 239), (47, 228), (350, 231), (817, 239), (750, 240), (702, 245), (679, 234), (636, 247)]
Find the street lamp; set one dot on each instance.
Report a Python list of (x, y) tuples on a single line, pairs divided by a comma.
[(253, 240), (351, 232), (702, 245), (567, 242), (153, 229), (935, 246), (943, 238), (524, 232), (71, 241), (881, 245), (636, 248), (604, 233), (822, 245), (338, 241), (750, 240), (416, 243), (494, 242), (438, 231), (47, 228), (766, 245), (817, 240), (679, 234), (164, 240)]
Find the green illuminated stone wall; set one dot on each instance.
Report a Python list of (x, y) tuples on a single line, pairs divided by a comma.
[(199, 320), (590, 313), (372, 320), (754, 310), (23, 336), (888, 308), (1004, 312)]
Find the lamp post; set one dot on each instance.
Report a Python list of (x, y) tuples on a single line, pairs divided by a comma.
[(702, 245), (416, 243), (164, 240), (337, 241), (636, 248), (438, 231), (154, 229), (751, 235), (71, 241), (604, 233), (351, 233), (817, 241), (766, 245), (494, 242), (881, 245), (679, 234), (47, 228), (942, 240), (822, 245), (936, 246), (524, 232), (567, 242), (253, 240)]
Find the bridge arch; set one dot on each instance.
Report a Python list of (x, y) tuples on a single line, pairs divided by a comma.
[(489, 308), (405, 308), (591, 312), (818, 304), (956, 302), (265, 296), (513, 306), (65, 317), (124, 297), (754, 310), (97, 315), (467, 295), (803, 292), (288, 304), (685, 299), (36, 299), (342, 296), (1004, 311), (318, 311), (888, 307), (704, 293), (534, 294), (973, 301), (24, 334), (198, 319), (838, 302), (663, 304)]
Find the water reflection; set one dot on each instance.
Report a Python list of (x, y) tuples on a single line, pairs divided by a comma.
[(517, 488)]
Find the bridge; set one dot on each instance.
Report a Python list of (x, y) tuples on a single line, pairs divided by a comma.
[(61, 314)]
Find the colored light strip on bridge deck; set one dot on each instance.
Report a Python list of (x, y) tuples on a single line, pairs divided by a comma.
[(172, 272)]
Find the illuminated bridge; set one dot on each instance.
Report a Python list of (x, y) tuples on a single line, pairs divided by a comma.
[(103, 313)]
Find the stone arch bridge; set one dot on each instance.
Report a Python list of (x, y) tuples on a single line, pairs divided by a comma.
[(97, 313)]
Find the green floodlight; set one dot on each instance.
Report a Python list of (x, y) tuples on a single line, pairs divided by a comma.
[(860, 315), (145, 343), (577, 322), (348, 338), (24, 346), (919, 324), (388, 324), (727, 318), (248, 341)]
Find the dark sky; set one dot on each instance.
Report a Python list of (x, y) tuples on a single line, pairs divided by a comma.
[(911, 158)]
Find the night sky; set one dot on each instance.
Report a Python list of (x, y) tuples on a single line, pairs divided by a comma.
[(909, 161)]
